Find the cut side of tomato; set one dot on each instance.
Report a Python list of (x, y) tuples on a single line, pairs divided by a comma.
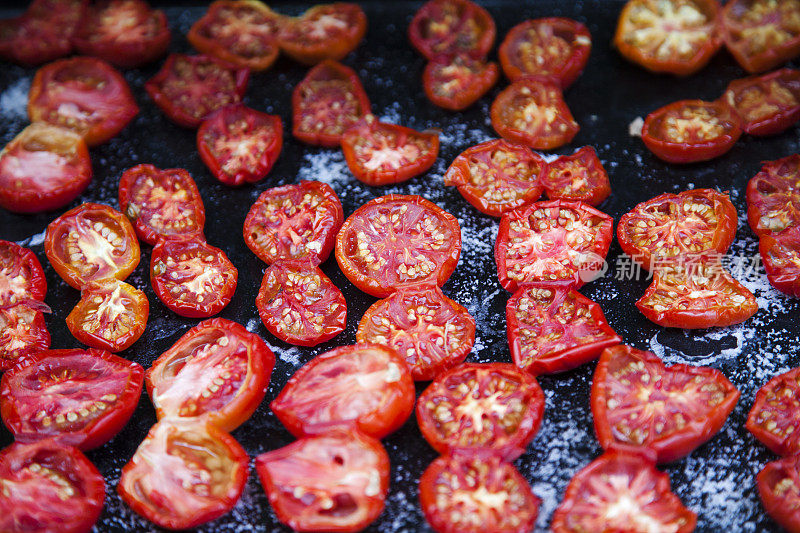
[(767, 104), (779, 487), (240, 145), (299, 304), (429, 330), (398, 240), (458, 82), (781, 257), (366, 385), (497, 176), (452, 27), (579, 176), (478, 407), (90, 243), (43, 168), (638, 401), (773, 196), (217, 370), (334, 482), (773, 419), (80, 398), (43, 33), (21, 275), (326, 31), (22, 333), (761, 34)]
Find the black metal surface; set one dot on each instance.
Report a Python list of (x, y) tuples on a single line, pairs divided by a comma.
[(716, 481)]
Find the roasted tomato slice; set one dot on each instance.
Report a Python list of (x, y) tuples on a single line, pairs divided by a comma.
[(243, 33), (398, 240), (327, 31), (126, 33), (366, 385), (22, 332), (111, 315), (552, 241), (239, 145), (779, 487), (299, 304), (43, 33), (638, 401), (191, 277), (553, 47), (694, 294), (532, 111), (773, 418), (185, 473), (458, 82), (90, 243), (43, 168), (553, 329), (773, 196), (161, 203), (621, 491), (83, 94), (670, 226), (334, 482), (781, 257), (688, 131), (497, 176), (49, 487), (675, 36), (767, 104), (429, 330), (762, 34), (451, 27), (468, 493), (379, 154), (217, 370), (294, 222), (189, 88), (328, 102), (474, 406), (81, 398), (579, 176), (21, 275)]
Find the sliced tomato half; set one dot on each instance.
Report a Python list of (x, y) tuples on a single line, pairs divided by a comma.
[(457, 82), (22, 333), (326, 31), (781, 257), (779, 487), (449, 27), (43, 33), (773, 196), (21, 275), (579, 176), (767, 104), (773, 419), (761, 34)]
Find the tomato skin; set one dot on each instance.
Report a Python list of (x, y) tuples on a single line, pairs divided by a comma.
[(773, 196), (763, 52), (21, 275), (446, 27), (584, 165), (299, 36), (781, 257), (474, 79), (778, 488), (778, 92), (43, 150), (306, 407), (43, 33), (22, 333), (41, 501), (773, 417)]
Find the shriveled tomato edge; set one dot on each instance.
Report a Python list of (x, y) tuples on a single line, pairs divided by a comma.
[(753, 196), (462, 100), (776, 506), (778, 121), (37, 283), (484, 44), (599, 191), (783, 280), (776, 445), (312, 54), (755, 63)]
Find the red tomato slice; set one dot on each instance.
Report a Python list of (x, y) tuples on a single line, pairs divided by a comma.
[(80, 398), (675, 36), (621, 491), (761, 34), (161, 203), (21, 275), (49, 487), (779, 487), (773, 418), (398, 240), (694, 294), (299, 304), (497, 176), (552, 47), (111, 315), (90, 243), (83, 94), (189, 88), (781, 257), (239, 145), (217, 370), (532, 111), (243, 33), (334, 482), (767, 104), (475, 494), (191, 277), (579, 176), (458, 82), (326, 103), (659, 231), (185, 473), (688, 131), (638, 401), (474, 406), (452, 27), (554, 329), (126, 33), (327, 31), (43, 33), (552, 241), (773, 196), (22, 333), (294, 222), (366, 385), (43, 168), (429, 330), (380, 154)]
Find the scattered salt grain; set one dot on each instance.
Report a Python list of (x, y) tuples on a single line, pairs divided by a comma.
[(635, 127)]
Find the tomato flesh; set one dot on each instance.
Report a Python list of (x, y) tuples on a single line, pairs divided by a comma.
[(451, 27), (43, 33), (781, 257), (327, 31), (773, 196), (22, 333), (579, 176), (762, 34), (779, 487), (767, 104), (21, 275), (773, 417), (457, 83)]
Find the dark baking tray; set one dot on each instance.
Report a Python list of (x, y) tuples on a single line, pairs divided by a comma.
[(716, 481)]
